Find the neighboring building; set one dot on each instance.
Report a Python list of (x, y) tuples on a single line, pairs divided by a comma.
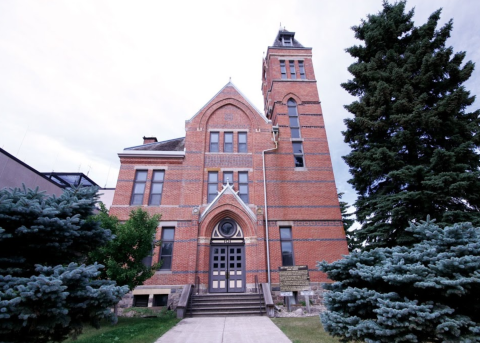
[(209, 186), (14, 173)]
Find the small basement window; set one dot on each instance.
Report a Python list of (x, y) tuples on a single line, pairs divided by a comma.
[(140, 300), (160, 299)]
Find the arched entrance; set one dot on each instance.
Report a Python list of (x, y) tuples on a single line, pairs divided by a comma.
[(227, 258)]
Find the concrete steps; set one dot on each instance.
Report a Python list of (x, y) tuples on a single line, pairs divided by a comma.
[(224, 304)]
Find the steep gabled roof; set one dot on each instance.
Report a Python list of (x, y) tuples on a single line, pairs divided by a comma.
[(227, 189), (230, 84), (177, 144)]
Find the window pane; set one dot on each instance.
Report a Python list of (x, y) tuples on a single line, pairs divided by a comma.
[(158, 175), (141, 176), (168, 234), (285, 233), (292, 110), (243, 177), (160, 299), (297, 148), (293, 121), (295, 133), (139, 188), (137, 199), (229, 176), (167, 262), (242, 147), (213, 177), (155, 199), (244, 197), (228, 137), (243, 189), (214, 137), (228, 147), (298, 161), (157, 188), (242, 137), (213, 147), (167, 249), (213, 189)]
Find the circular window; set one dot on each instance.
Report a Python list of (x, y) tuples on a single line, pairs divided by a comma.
[(227, 227)]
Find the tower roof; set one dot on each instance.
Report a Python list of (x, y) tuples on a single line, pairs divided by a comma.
[(286, 39)]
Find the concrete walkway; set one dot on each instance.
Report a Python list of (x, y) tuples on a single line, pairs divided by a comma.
[(224, 330)]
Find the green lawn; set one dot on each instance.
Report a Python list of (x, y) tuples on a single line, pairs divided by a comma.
[(138, 330), (304, 330)]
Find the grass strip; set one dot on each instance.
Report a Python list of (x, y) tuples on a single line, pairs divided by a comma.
[(138, 330), (304, 330)]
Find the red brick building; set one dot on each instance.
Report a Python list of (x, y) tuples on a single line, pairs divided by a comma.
[(210, 185)]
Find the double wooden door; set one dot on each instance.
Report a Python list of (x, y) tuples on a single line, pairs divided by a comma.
[(227, 269)]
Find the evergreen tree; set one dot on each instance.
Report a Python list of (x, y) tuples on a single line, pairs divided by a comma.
[(347, 224), (125, 255), (46, 293), (426, 293), (414, 144)]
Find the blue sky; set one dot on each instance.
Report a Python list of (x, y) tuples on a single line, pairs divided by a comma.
[(81, 80)]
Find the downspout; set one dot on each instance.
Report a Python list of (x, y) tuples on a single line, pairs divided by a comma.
[(275, 133)]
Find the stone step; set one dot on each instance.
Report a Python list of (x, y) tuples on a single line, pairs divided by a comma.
[(220, 308), (227, 313), (226, 304)]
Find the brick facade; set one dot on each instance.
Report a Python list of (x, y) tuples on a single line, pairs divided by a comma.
[(303, 198)]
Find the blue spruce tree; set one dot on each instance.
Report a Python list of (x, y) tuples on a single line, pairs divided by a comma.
[(46, 293), (429, 292)]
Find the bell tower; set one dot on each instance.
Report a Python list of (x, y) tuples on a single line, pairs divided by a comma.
[(301, 191)]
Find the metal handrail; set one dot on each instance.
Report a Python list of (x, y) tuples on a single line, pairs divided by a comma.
[(257, 290)]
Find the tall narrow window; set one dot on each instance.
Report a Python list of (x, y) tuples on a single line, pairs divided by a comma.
[(293, 118), (242, 142), (287, 246), (213, 141), (283, 69), (243, 186), (293, 73), (139, 187), (157, 187), (228, 175), (212, 185), (298, 154), (301, 66), (166, 250), (228, 142)]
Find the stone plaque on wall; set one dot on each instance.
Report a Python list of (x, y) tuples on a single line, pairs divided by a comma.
[(294, 278)]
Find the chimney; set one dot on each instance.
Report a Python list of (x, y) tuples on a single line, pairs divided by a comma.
[(148, 140)]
